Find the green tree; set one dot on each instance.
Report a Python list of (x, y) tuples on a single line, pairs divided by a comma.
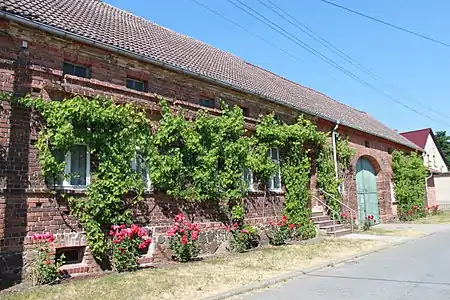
[(443, 141)]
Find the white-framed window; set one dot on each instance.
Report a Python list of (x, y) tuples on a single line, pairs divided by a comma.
[(248, 177), (138, 164), (77, 169), (275, 179)]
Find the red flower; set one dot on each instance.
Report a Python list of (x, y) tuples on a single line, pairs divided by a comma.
[(194, 235), (172, 231), (179, 218), (145, 244), (184, 240), (245, 231), (374, 220), (47, 262), (291, 226)]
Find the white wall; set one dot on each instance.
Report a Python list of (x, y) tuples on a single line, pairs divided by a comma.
[(442, 184), (432, 158)]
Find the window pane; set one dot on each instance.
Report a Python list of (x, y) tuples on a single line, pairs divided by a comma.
[(72, 69), (57, 179), (81, 71), (275, 155), (248, 177), (142, 169), (277, 180), (78, 165), (68, 68), (135, 85), (207, 103)]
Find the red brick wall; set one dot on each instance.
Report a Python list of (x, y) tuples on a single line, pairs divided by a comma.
[(25, 205)]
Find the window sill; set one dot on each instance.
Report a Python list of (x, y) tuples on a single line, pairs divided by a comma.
[(69, 188), (276, 191)]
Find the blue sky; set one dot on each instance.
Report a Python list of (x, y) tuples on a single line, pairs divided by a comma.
[(418, 69)]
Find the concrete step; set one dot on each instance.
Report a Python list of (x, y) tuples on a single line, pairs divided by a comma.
[(324, 223), (333, 228), (320, 218), (339, 232), (318, 214)]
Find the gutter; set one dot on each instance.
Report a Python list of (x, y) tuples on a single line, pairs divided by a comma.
[(333, 137), (105, 46), (426, 185)]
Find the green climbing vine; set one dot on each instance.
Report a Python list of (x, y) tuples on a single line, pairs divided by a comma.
[(326, 174), (202, 159), (297, 143), (409, 184), (112, 134)]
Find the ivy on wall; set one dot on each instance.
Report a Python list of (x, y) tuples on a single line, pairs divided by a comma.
[(202, 159), (409, 184), (297, 143), (112, 133), (326, 174), (198, 160)]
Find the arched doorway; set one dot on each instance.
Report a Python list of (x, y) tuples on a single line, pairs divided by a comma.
[(366, 187)]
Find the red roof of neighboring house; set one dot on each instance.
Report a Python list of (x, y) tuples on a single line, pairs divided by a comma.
[(106, 25), (418, 137)]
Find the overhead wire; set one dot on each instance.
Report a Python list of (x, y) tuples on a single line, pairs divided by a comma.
[(305, 29), (387, 23), (266, 21), (248, 31)]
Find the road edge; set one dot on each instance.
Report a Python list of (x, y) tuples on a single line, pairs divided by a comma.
[(299, 273)]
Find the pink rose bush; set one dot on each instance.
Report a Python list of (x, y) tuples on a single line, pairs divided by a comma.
[(183, 237), (243, 237), (369, 222), (129, 243), (279, 232), (44, 271)]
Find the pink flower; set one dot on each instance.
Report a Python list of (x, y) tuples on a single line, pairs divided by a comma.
[(291, 226), (172, 231), (184, 240), (245, 231), (179, 218), (145, 244), (194, 235)]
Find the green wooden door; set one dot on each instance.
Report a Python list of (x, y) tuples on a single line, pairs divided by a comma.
[(366, 187)]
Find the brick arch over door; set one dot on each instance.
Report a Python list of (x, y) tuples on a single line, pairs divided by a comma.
[(366, 189), (383, 171)]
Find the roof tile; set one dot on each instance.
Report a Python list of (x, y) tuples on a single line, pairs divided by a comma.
[(104, 23)]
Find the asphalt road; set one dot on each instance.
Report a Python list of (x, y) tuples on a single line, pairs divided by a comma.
[(419, 269)]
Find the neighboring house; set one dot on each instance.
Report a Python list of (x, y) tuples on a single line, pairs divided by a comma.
[(438, 182), (55, 49), (433, 157)]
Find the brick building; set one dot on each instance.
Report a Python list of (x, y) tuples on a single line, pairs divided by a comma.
[(59, 48)]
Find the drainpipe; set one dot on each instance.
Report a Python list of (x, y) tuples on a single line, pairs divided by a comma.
[(333, 138), (426, 185)]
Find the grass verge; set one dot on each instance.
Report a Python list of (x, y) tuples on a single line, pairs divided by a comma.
[(440, 218), (206, 278), (393, 232)]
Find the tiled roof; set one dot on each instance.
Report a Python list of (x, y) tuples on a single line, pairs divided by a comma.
[(418, 137), (104, 23)]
